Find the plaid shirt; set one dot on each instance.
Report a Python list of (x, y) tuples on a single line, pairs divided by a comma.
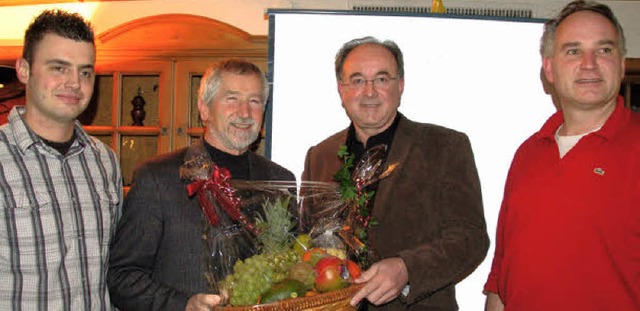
[(57, 215)]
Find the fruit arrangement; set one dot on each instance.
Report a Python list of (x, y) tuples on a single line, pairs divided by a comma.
[(287, 266), (287, 272)]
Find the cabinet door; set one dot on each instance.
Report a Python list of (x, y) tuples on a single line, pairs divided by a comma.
[(189, 127), (131, 111), (630, 89)]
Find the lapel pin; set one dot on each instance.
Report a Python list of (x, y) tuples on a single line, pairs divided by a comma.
[(598, 171)]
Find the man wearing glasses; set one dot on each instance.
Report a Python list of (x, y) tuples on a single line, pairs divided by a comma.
[(430, 231)]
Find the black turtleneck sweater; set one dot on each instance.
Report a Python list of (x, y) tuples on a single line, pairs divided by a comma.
[(238, 165)]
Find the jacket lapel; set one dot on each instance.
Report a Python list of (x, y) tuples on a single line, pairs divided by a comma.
[(399, 153)]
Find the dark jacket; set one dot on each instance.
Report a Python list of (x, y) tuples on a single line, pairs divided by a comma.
[(429, 210), (156, 255)]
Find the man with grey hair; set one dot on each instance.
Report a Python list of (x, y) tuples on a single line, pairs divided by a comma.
[(568, 230), (156, 256), (428, 230)]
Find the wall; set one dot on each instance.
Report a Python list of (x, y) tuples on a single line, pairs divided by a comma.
[(249, 15)]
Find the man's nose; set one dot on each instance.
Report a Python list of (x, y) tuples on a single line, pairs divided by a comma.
[(244, 108), (589, 60), (370, 88), (72, 79)]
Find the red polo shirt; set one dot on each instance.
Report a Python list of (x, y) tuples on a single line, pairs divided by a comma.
[(568, 235)]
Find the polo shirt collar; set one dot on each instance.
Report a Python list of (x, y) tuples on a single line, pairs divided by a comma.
[(613, 124)]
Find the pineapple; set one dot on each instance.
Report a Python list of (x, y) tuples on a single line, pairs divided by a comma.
[(275, 228)]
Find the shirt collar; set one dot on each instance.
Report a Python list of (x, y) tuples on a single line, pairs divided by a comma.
[(613, 124), (384, 137), (25, 137)]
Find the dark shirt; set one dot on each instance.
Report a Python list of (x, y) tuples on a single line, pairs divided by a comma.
[(354, 146), (238, 165), (62, 147), (357, 148)]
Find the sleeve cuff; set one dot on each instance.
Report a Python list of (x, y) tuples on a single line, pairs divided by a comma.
[(405, 291)]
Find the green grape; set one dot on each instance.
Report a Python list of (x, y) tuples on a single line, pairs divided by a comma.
[(256, 274)]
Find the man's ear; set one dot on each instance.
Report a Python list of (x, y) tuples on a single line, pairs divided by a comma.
[(203, 109), (22, 70), (547, 66), (340, 90)]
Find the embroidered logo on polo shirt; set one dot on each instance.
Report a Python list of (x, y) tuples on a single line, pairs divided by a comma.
[(598, 171)]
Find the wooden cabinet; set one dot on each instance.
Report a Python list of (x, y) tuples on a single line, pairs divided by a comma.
[(158, 60), (109, 116), (630, 87)]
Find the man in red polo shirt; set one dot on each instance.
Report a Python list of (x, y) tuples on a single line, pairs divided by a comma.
[(568, 235)]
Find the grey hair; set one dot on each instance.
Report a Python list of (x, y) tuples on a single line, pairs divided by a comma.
[(547, 42), (349, 46), (210, 83)]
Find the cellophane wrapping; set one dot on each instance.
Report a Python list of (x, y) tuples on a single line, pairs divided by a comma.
[(241, 264)]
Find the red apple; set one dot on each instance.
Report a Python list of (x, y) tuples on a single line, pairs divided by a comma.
[(332, 274)]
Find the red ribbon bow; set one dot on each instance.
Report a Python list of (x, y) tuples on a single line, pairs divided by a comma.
[(220, 189)]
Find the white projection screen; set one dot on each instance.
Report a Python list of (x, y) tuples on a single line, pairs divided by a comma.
[(480, 76)]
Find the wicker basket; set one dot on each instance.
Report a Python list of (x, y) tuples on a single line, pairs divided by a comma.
[(334, 300)]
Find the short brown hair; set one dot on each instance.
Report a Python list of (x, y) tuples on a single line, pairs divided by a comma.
[(64, 24)]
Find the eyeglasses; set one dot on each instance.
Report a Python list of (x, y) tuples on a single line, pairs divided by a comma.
[(358, 83)]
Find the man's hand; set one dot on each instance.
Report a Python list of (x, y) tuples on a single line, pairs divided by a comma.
[(203, 302), (385, 280)]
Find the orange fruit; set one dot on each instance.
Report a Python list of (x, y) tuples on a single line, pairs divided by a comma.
[(353, 268), (313, 255)]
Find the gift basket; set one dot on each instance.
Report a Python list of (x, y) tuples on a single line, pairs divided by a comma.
[(278, 245)]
